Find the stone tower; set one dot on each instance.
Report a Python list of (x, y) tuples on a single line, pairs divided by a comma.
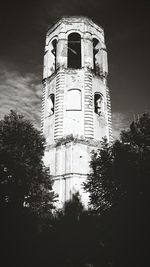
[(76, 111)]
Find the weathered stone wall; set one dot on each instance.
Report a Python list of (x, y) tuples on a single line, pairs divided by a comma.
[(60, 31), (74, 91), (69, 165)]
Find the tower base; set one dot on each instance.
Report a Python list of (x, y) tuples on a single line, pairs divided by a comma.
[(69, 165), (67, 185)]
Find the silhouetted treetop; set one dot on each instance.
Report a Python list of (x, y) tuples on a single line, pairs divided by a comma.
[(23, 179)]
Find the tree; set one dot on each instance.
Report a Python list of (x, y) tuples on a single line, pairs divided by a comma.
[(24, 182), (119, 192), (78, 236), (121, 170), (73, 208), (101, 163)]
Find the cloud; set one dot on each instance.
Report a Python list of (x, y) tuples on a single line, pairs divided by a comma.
[(20, 92)]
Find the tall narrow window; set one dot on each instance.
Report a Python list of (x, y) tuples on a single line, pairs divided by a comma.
[(54, 45), (98, 103), (50, 104), (74, 51), (95, 51)]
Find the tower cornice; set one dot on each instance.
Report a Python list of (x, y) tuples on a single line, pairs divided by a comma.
[(75, 19)]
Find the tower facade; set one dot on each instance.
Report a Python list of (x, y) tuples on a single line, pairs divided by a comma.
[(76, 112)]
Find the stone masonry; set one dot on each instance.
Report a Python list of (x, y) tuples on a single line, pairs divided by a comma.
[(76, 109)]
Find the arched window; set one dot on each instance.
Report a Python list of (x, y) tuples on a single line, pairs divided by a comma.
[(95, 51), (54, 50), (74, 99), (50, 104), (98, 103), (74, 51)]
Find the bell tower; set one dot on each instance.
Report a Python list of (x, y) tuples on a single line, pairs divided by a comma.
[(76, 111)]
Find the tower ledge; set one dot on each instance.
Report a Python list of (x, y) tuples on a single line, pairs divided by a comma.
[(75, 19)]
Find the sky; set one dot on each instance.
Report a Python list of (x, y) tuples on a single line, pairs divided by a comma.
[(23, 27)]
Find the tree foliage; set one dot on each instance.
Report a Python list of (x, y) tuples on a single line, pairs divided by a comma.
[(24, 182), (119, 193), (73, 208), (121, 170)]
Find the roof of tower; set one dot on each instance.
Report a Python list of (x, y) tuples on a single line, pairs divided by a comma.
[(74, 19)]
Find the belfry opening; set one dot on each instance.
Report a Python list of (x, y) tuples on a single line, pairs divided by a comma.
[(74, 51)]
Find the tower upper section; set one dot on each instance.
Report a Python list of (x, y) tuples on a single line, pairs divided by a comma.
[(75, 42), (75, 96)]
